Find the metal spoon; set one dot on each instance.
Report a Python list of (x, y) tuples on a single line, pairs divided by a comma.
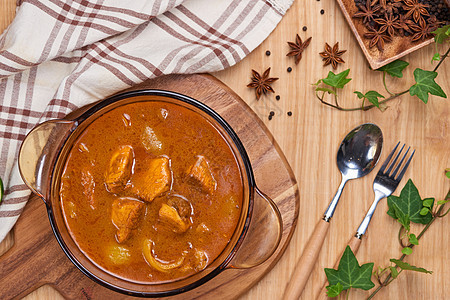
[(357, 156)]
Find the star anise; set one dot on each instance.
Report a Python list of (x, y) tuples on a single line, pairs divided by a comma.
[(392, 7), (422, 31), (367, 13), (433, 23), (332, 56), (377, 38), (261, 84), (416, 9), (389, 24), (298, 47), (405, 24)]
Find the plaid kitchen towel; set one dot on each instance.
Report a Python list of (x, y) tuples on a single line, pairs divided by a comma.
[(58, 55)]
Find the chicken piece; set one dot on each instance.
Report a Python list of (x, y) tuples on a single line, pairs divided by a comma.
[(150, 140), (153, 180), (200, 260), (118, 255), (119, 171), (200, 173), (176, 214), (125, 216), (88, 184)]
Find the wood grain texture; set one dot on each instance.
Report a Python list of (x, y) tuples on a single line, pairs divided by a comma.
[(310, 139), (36, 258)]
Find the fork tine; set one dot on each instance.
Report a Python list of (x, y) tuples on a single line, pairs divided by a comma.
[(400, 176), (384, 165), (400, 163), (395, 160)]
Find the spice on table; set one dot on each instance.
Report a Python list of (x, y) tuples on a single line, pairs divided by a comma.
[(277, 97), (332, 55), (268, 53), (305, 28), (270, 117), (322, 11), (272, 113), (289, 69), (261, 84), (298, 47), (289, 113)]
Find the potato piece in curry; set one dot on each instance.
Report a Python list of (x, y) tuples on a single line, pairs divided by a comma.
[(120, 167), (152, 179), (125, 215), (199, 173)]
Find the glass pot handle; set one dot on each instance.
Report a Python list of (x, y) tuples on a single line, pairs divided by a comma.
[(263, 235), (37, 155)]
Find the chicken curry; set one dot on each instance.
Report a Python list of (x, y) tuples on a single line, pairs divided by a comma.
[(151, 192)]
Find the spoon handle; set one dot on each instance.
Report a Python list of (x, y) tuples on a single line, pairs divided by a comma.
[(354, 244), (307, 261)]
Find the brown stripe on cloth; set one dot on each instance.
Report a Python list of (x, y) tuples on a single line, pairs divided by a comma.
[(125, 11), (14, 58), (63, 19), (8, 69), (179, 36), (15, 188), (18, 111), (67, 60), (11, 213), (84, 31), (18, 124), (17, 200), (71, 12), (255, 21)]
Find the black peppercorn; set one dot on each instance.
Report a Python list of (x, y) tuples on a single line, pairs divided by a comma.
[(305, 28), (272, 113), (277, 97), (289, 69), (270, 117), (267, 52), (289, 113), (322, 11)]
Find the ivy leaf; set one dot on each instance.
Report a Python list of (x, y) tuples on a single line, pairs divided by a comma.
[(441, 34), (428, 202), (334, 290), (337, 80), (395, 68), (407, 251), (425, 85), (447, 173), (408, 203), (436, 57), (405, 266), (371, 96), (413, 239), (394, 272), (350, 274)]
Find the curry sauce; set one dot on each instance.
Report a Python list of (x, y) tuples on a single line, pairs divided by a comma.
[(151, 192)]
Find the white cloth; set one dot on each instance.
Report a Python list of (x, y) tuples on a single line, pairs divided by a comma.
[(58, 55)]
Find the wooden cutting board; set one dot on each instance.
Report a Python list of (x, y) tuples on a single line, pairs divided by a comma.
[(36, 258)]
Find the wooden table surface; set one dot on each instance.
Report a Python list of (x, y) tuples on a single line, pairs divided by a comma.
[(310, 138)]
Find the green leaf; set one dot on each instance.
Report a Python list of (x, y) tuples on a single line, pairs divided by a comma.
[(407, 250), (334, 290), (337, 80), (394, 272), (350, 274), (424, 211), (394, 68), (413, 239), (441, 34), (371, 96), (447, 173), (436, 57), (405, 266), (428, 202), (408, 203), (425, 85), (322, 89), (440, 202)]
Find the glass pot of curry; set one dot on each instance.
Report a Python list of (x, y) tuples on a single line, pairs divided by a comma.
[(150, 193)]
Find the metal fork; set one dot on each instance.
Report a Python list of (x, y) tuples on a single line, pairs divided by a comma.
[(384, 185)]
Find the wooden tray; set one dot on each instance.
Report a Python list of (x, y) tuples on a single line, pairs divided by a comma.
[(36, 258), (394, 50)]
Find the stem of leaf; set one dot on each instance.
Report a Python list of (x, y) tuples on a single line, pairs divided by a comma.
[(384, 83), (442, 59), (348, 293), (388, 278)]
